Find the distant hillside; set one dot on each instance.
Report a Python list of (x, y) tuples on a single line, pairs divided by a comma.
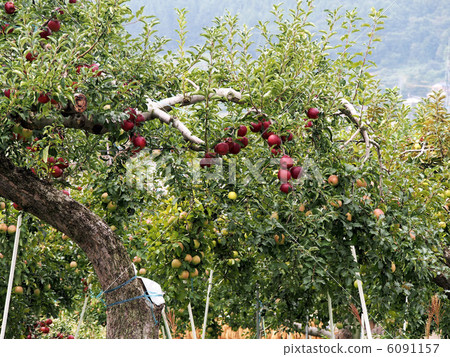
[(415, 41)]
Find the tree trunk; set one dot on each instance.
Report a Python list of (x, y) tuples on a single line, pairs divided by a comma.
[(103, 248)]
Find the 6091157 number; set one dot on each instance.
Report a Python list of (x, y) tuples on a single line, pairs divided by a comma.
[(412, 348)]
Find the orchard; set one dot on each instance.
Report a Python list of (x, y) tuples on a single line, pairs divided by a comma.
[(261, 166)]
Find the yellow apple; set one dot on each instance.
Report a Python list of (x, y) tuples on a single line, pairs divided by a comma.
[(176, 263)]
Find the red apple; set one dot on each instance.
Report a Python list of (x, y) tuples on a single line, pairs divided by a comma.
[(10, 8), (230, 143), (287, 138), (256, 127), (51, 160), (276, 151), (274, 140), (296, 171), (242, 130), (132, 113), (243, 141), (56, 172), (222, 148), (48, 322), (54, 25), (266, 134), (266, 124), (127, 125), (284, 175), (235, 149), (205, 162), (95, 69), (45, 33), (139, 141), (139, 119), (72, 2), (30, 57), (43, 98), (308, 124), (16, 206), (286, 162), (70, 337), (45, 329), (333, 180), (286, 187), (378, 212), (4, 27), (62, 163), (7, 93), (313, 113)]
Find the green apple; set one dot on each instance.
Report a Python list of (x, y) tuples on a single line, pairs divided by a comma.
[(232, 195), (196, 244), (231, 262), (27, 133), (2, 206), (196, 260), (105, 197), (183, 215), (235, 254), (111, 206)]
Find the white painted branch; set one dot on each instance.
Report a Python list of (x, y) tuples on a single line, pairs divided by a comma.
[(228, 94), (159, 110)]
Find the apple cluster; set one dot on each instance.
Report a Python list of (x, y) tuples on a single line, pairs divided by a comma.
[(287, 172), (227, 146), (57, 166), (134, 121), (4, 228), (42, 328)]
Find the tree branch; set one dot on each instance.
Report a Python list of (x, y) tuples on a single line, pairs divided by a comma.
[(350, 112), (74, 119)]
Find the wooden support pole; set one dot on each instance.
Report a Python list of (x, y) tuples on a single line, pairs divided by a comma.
[(205, 319), (11, 278), (361, 296)]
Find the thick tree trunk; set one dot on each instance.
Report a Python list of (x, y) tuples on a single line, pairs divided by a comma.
[(103, 248)]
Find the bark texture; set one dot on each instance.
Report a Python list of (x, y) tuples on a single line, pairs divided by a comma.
[(103, 248)]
